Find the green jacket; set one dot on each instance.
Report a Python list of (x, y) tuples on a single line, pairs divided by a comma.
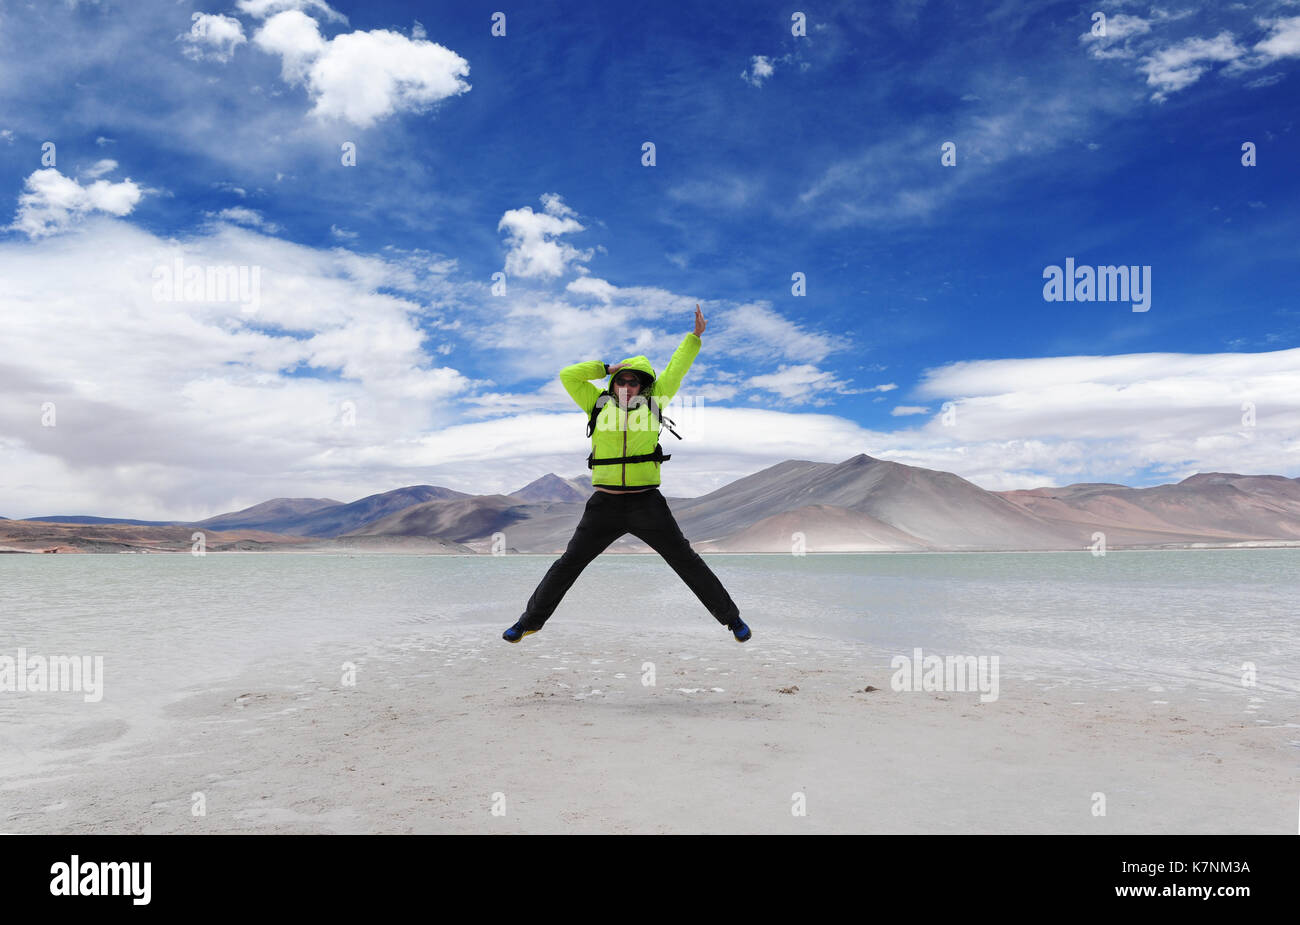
[(630, 432)]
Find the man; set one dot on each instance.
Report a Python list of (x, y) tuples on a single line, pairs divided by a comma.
[(625, 459)]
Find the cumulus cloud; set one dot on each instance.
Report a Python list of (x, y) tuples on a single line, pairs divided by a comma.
[(51, 203), (533, 250), (260, 9), (213, 36), (171, 404), (591, 286), (362, 77), (1112, 415)]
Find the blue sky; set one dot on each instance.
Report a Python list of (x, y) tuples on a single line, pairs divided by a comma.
[(378, 354)]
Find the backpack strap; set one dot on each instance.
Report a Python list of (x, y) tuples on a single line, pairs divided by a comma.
[(657, 456), (601, 399), (664, 421)]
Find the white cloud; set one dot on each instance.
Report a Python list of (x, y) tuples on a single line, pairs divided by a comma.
[(249, 217), (803, 384), (362, 77), (186, 409), (52, 203), (1119, 26), (101, 167), (261, 9), (212, 36), (170, 406), (343, 234), (296, 38), (530, 236), (760, 68), (1284, 40), (1266, 81), (1182, 64), (716, 192), (758, 332), (591, 286), (1088, 416)]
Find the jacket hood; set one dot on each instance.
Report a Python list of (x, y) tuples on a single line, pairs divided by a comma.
[(642, 365)]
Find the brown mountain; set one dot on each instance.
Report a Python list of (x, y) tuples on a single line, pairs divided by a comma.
[(922, 507), (862, 503), (1209, 507), (551, 487)]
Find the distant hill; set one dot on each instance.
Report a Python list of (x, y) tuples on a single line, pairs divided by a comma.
[(551, 487), (280, 512), (922, 508), (323, 517), (860, 504), (1206, 507), (86, 519)]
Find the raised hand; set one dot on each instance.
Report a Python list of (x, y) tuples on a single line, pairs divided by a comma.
[(699, 321)]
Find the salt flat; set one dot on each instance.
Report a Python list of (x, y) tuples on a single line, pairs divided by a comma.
[(560, 734)]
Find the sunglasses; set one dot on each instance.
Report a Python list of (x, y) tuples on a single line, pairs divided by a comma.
[(625, 380)]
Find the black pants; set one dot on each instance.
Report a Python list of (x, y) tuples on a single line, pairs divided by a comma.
[(646, 515)]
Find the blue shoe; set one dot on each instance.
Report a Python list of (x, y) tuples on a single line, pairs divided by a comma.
[(516, 632), (739, 630)]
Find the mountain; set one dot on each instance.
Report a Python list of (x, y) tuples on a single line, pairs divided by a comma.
[(551, 487), (923, 508), (323, 517), (459, 519), (86, 519), (279, 511), (860, 504), (1208, 507), (815, 528)]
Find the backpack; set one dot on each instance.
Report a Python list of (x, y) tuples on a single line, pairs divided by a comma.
[(657, 456)]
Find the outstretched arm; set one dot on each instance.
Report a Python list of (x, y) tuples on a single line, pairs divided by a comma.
[(670, 380)]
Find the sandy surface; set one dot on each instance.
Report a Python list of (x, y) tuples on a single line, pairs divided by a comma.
[(563, 729)]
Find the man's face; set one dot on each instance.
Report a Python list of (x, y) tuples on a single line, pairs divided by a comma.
[(626, 387)]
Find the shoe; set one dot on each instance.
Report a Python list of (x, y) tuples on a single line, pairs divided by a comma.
[(516, 632), (739, 630)]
